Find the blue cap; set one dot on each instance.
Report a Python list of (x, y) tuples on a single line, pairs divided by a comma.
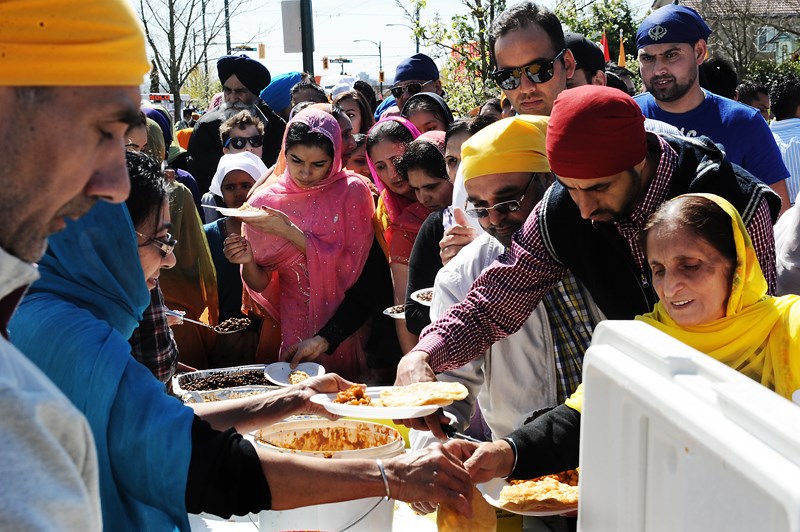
[(278, 94), (672, 24), (384, 105), (418, 67)]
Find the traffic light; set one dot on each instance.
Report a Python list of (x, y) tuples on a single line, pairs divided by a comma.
[(262, 50), (325, 62), (380, 77)]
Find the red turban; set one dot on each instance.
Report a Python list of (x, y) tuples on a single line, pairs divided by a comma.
[(595, 131)]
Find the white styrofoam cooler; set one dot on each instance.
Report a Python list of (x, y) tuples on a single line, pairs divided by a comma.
[(672, 440)]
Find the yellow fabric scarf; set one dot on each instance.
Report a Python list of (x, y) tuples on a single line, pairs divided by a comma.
[(759, 335)]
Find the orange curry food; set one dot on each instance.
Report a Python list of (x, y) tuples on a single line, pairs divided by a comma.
[(354, 395)]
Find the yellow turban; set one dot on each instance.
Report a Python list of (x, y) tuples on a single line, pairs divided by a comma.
[(71, 43), (515, 144)]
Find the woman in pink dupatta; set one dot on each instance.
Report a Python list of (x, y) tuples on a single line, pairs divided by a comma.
[(399, 215), (316, 236)]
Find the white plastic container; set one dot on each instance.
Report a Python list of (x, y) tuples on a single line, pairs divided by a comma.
[(672, 440), (372, 514)]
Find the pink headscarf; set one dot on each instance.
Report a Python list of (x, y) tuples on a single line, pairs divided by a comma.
[(395, 204), (335, 216)]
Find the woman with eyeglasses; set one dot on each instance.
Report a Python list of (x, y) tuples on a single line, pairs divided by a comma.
[(428, 112), (158, 459)]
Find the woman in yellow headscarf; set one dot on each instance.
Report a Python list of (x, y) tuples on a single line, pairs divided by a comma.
[(728, 317), (712, 297)]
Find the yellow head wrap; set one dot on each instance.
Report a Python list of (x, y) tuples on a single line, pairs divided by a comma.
[(71, 43), (759, 334), (515, 144)]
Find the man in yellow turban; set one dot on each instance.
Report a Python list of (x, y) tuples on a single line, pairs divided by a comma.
[(69, 77), (506, 173)]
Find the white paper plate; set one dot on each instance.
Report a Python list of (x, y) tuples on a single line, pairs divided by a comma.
[(395, 315), (372, 412), (491, 492), (229, 211), (415, 296), (278, 372)]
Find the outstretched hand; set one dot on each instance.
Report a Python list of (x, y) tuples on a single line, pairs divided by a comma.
[(308, 350)]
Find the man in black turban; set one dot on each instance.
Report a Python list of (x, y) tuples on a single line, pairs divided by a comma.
[(242, 80)]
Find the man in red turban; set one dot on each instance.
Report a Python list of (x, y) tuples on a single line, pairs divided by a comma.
[(611, 176)]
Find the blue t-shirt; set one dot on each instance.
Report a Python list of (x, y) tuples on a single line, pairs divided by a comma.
[(739, 128)]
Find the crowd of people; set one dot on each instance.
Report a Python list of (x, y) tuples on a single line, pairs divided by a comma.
[(571, 197)]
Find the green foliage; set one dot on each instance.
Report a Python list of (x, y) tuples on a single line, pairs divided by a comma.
[(466, 43), (201, 88), (611, 16), (768, 73)]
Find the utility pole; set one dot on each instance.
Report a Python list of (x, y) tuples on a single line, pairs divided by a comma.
[(307, 35), (227, 28)]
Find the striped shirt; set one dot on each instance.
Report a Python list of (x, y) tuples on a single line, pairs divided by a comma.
[(504, 295), (787, 135)]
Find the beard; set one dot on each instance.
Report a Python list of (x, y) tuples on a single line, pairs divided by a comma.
[(670, 93), (229, 110)]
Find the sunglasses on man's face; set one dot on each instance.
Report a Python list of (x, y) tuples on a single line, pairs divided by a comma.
[(539, 71), (239, 143), (411, 88)]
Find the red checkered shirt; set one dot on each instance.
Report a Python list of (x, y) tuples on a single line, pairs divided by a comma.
[(505, 294)]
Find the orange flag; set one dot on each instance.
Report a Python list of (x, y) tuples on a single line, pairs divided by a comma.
[(621, 61), (604, 43)]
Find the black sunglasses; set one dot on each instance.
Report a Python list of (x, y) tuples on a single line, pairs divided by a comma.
[(239, 143), (539, 71), (166, 246), (504, 207), (411, 88)]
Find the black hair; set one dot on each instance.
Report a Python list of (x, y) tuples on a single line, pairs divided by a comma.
[(785, 97), (148, 187), (318, 95), (469, 126), (704, 218), (494, 103), (429, 105), (390, 130), (615, 77), (522, 15), (300, 133), (360, 139), (368, 93), (719, 76), (748, 91), (422, 154), (187, 111)]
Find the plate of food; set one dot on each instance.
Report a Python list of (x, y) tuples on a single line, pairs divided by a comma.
[(282, 374), (423, 297), (392, 402), (397, 312), (245, 211), (548, 495)]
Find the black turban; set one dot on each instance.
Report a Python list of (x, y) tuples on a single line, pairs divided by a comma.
[(250, 72)]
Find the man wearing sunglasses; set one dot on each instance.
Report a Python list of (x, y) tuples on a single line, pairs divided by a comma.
[(506, 173), (533, 62), (415, 74)]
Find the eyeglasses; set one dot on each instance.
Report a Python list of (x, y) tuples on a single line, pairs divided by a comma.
[(411, 88), (504, 207), (539, 71), (239, 143), (165, 246)]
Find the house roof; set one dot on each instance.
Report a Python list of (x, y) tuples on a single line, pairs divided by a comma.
[(757, 7)]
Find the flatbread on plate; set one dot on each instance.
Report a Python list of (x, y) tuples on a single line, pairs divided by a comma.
[(424, 393), (543, 494)]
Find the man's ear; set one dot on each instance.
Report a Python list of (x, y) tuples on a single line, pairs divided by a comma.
[(700, 51)]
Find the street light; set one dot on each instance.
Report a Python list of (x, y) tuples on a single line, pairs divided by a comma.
[(413, 30), (380, 61)]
